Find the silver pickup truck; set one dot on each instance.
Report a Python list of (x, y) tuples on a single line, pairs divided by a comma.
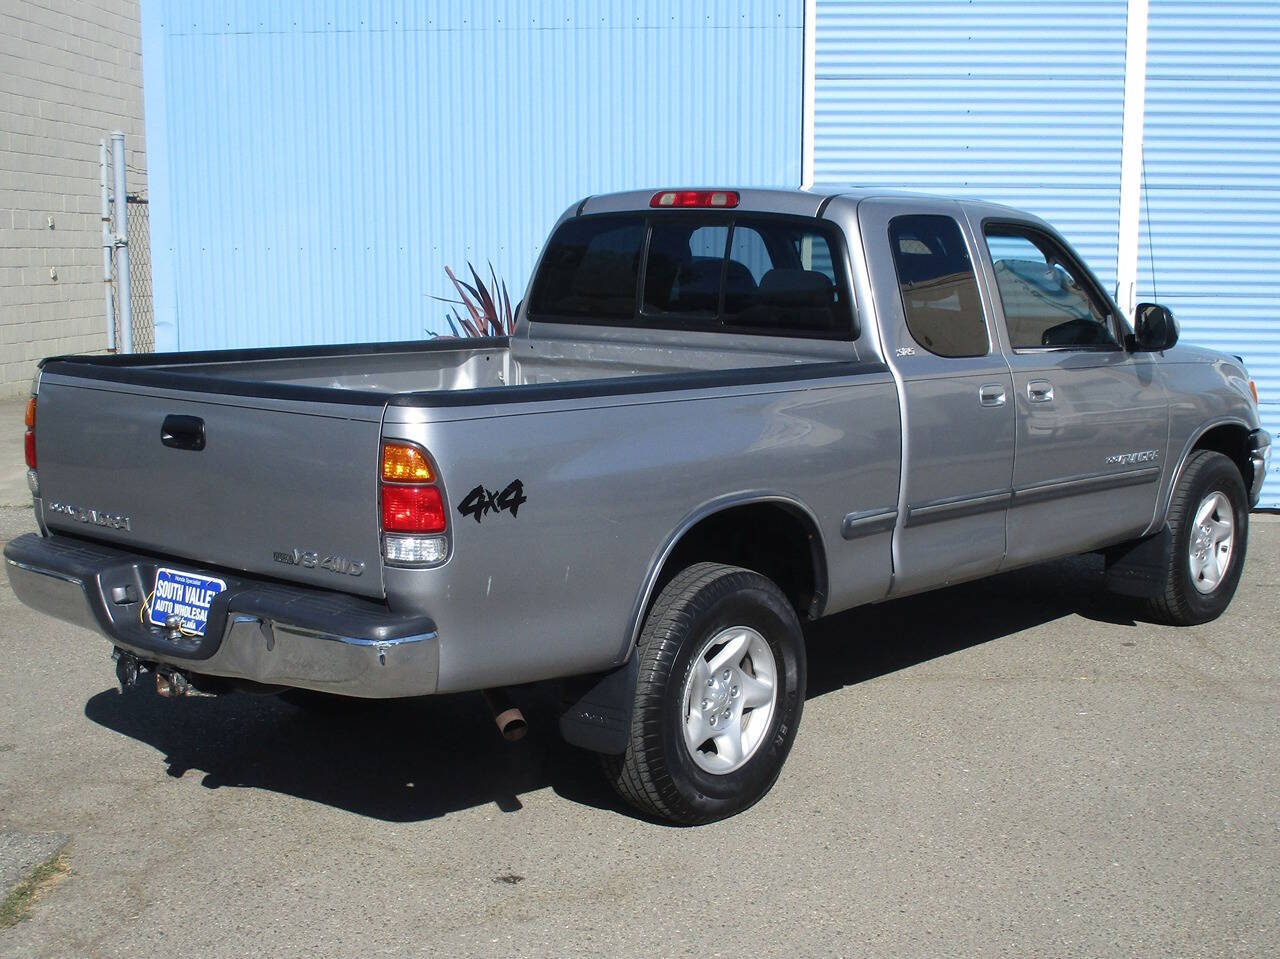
[(722, 413)]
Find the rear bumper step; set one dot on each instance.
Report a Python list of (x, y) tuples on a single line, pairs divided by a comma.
[(264, 632)]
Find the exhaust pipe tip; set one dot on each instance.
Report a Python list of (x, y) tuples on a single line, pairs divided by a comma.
[(511, 724), (506, 715)]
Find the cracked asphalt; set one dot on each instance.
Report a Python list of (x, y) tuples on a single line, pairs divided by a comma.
[(1011, 767)]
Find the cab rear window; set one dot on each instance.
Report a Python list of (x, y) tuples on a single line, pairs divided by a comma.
[(748, 273), (590, 269)]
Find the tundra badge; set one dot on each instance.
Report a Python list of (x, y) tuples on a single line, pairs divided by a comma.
[(96, 517), (1128, 459)]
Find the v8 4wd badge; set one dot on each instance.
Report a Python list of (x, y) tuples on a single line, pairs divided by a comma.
[(312, 560)]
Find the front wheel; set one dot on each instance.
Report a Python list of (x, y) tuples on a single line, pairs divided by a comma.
[(718, 698), (1209, 520)]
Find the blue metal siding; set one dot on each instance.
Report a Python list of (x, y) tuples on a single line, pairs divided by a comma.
[(1212, 156), (323, 162), (1016, 102)]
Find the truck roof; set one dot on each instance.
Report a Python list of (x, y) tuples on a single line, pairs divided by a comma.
[(802, 202)]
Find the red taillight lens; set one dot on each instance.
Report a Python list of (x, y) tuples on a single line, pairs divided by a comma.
[(673, 199), (412, 509), (29, 441)]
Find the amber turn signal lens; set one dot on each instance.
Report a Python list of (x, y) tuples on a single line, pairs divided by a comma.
[(1253, 388), (402, 463), (31, 413)]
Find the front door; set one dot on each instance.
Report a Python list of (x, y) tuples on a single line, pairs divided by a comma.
[(1093, 419), (955, 389)]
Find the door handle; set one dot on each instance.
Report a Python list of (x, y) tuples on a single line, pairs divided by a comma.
[(991, 395), (182, 432), (1040, 391)]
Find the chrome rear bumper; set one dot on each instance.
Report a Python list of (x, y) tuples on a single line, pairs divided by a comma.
[(258, 631)]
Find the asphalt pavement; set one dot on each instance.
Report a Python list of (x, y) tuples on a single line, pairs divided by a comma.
[(1013, 767), (14, 493)]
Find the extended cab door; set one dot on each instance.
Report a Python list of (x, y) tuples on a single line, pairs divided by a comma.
[(1093, 419), (954, 387)]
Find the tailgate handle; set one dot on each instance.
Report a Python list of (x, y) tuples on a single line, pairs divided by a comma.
[(182, 432)]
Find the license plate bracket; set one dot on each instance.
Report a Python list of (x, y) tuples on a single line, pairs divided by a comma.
[(186, 595)]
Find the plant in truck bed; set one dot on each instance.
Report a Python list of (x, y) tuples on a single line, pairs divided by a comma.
[(487, 306)]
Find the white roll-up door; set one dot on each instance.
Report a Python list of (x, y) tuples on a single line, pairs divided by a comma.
[(1212, 155), (1020, 103)]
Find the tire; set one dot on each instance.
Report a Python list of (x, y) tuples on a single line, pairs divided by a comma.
[(1211, 490), (712, 614)]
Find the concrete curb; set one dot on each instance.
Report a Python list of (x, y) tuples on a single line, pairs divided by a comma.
[(21, 853)]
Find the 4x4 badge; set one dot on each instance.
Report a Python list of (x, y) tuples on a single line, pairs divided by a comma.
[(481, 501)]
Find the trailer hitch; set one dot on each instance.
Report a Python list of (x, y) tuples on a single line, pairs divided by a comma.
[(170, 683)]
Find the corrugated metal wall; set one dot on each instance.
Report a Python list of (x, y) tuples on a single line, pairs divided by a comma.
[(1212, 155), (320, 163), (1017, 102), (1023, 103)]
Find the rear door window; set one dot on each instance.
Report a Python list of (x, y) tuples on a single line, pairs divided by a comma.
[(939, 289)]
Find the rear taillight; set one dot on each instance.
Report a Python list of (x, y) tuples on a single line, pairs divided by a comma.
[(414, 522), (29, 441), (412, 509)]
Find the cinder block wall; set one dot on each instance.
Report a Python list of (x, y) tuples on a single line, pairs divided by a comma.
[(70, 73)]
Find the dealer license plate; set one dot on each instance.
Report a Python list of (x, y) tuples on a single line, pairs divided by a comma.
[(185, 595)]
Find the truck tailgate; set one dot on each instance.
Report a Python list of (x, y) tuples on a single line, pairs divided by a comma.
[(281, 488)]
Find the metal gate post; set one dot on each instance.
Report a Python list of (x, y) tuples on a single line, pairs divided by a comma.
[(108, 243), (122, 243)]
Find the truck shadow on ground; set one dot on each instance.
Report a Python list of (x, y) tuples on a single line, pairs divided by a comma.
[(413, 760)]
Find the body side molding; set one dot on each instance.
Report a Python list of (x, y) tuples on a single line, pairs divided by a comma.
[(868, 521)]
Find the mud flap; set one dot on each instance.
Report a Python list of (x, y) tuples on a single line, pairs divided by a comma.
[(595, 711), (1138, 568)]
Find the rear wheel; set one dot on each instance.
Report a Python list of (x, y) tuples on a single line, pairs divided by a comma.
[(1209, 520), (718, 699)]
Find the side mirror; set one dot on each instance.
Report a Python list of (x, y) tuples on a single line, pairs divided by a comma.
[(1155, 328)]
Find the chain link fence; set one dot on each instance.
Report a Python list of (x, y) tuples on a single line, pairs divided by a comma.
[(144, 323), (144, 319)]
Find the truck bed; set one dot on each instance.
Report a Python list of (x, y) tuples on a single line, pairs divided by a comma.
[(288, 440), (381, 371)]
